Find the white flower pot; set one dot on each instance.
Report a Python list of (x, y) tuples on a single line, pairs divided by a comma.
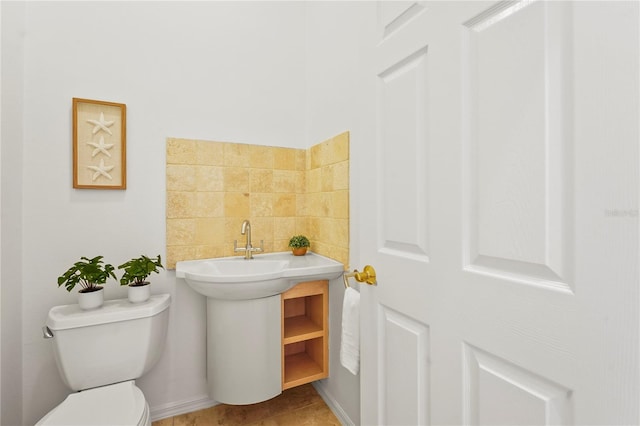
[(138, 294), (91, 300)]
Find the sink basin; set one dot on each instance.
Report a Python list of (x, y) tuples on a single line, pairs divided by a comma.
[(244, 318), (233, 270), (237, 278)]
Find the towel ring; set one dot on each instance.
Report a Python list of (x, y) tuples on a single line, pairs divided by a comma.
[(368, 275)]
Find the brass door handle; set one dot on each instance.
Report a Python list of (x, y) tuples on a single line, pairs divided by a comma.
[(368, 275)]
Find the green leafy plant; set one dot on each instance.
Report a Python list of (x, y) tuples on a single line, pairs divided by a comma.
[(138, 269), (91, 274), (299, 241)]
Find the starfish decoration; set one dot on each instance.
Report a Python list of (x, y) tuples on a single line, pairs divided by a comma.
[(100, 124), (100, 147), (101, 170)]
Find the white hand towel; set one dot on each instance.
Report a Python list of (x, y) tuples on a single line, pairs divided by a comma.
[(350, 342)]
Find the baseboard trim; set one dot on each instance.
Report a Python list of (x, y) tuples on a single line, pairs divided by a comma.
[(181, 407), (331, 402), (200, 403)]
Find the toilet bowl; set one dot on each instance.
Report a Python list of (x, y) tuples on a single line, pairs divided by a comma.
[(119, 404), (100, 353)]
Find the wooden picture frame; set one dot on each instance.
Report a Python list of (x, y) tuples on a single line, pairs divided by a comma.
[(99, 144)]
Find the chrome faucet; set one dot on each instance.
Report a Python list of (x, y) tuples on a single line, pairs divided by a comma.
[(248, 249)]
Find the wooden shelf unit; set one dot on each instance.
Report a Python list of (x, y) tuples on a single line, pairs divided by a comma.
[(305, 333)]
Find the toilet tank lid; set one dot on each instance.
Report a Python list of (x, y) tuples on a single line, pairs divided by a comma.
[(71, 316)]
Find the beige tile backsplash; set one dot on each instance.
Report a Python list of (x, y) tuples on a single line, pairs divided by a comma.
[(213, 186)]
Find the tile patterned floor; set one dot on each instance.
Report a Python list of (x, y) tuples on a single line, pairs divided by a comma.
[(299, 406)]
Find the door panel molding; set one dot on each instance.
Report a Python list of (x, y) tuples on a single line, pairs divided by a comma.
[(517, 144), (402, 150), (404, 365), (499, 392), (394, 15)]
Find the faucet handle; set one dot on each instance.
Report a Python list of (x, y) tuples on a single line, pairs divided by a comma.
[(259, 249), (235, 246)]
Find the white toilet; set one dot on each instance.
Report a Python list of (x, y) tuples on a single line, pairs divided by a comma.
[(100, 353)]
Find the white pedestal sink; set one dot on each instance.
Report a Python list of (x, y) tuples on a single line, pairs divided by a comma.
[(244, 340), (243, 350)]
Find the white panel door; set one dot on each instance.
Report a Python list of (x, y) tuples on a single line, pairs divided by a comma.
[(503, 190)]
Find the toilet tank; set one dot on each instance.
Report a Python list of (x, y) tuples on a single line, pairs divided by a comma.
[(116, 342)]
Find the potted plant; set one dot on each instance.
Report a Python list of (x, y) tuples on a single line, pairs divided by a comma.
[(135, 276), (91, 274), (299, 245)]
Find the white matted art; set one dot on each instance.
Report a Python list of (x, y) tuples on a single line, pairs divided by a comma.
[(99, 144)]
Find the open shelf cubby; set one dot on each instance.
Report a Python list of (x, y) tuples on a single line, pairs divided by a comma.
[(305, 333)]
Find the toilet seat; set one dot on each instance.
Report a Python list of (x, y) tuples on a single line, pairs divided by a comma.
[(117, 404)]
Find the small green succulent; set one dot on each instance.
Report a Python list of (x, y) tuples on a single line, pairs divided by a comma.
[(299, 241)]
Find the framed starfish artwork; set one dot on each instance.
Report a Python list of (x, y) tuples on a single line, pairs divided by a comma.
[(99, 144)]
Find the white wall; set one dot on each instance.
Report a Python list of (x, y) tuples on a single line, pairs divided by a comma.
[(207, 70), (11, 94), (334, 101), (263, 73)]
